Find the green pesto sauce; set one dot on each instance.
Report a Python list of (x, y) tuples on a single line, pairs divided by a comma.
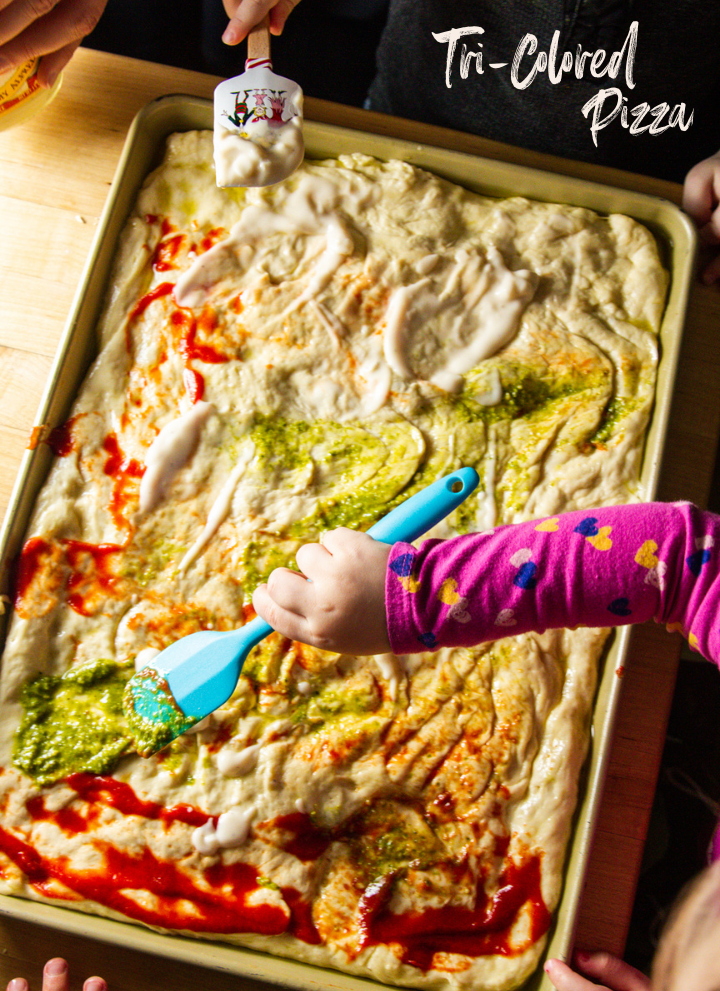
[(388, 838), (614, 412), (263, 663), (145, 569), (262, 555), (341, 452), (340, 449), (72, 723), (333, 703)]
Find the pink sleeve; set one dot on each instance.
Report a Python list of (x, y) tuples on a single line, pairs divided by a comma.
[(602, 567)]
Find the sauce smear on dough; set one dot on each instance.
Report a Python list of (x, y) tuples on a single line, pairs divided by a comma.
[(453, 929), (164, 289), (60, 440), (219, 903), (92, 573), (29, 563), (120, 796), (122, 470), (180, 904)]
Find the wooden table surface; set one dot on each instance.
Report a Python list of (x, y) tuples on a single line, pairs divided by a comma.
[(54, 176)]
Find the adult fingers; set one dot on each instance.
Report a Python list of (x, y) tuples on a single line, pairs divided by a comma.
[(53, 63), (56, 975), (64, 24), (612, 971), (17, 14)]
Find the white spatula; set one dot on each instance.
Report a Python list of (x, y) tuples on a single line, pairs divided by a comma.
[(258, 139)]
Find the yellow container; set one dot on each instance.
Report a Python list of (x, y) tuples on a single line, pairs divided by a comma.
[(21, 96)]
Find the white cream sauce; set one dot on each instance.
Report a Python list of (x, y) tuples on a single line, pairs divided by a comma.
[(232, 830), (267, 155), (391, 671), (492, 394), (474, 308), (169, 452), (220, 508), (310, 209), (236, 763), (258, 139)]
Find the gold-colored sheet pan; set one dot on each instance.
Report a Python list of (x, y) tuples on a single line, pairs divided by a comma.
[(78, 346)]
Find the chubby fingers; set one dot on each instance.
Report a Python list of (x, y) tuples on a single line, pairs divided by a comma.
[(245, 14), (563, 978), (56, 977), (288, 600), (600, 972), (611, 971), (285, 601)]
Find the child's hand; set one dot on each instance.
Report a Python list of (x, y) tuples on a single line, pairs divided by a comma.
[(603, 972), (342, 607), (56, 977), (701, 200), (245, 14)]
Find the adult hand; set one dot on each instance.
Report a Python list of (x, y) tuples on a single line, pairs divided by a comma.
[(342, 607), (51, 28), (245, 14), (56, 977), (600, 972), (701, 200)]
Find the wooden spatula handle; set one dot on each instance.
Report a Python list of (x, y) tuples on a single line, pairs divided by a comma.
[(258, 41)]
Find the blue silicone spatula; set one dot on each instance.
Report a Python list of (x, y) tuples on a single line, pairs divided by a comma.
[(196, 674)]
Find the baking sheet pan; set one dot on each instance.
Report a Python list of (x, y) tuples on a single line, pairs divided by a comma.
[(142, 152)]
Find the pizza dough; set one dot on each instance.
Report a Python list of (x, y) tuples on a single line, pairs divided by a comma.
[(273, 363)]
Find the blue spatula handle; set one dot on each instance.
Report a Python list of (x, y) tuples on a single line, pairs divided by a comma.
[(412, 518), (408, 521)]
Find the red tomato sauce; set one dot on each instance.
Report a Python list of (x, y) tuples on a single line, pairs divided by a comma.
[(165, 255), (217, 899), (123, 471), (60, 440), (29, 562), (453, 929), (218, 896), (192, 348), (92, 571), (164, 289)]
